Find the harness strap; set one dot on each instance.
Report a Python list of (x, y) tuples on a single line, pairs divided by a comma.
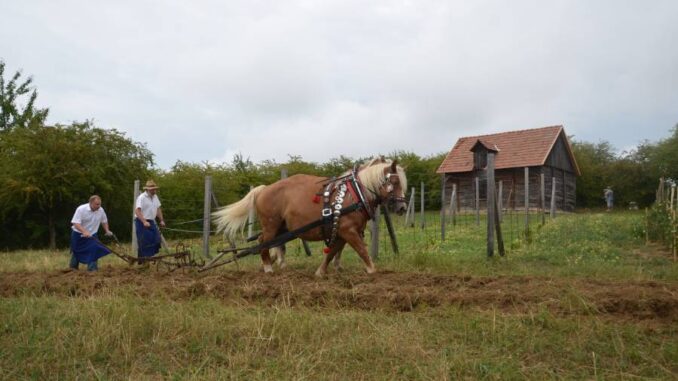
[(290, 235)]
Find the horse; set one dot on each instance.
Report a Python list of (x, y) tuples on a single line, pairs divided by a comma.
[(349, 201)]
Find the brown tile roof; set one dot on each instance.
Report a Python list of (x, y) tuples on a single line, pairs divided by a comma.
[(524, 148)]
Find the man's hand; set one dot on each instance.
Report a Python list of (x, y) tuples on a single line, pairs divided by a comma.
[(86, 234), (162, 223), (147, 224), (109, 234)]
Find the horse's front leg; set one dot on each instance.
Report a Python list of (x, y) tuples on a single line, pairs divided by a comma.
[(355, 239), (336, 248), (337, 261)]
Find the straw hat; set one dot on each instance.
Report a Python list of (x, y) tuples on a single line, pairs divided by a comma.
[(150, 184)]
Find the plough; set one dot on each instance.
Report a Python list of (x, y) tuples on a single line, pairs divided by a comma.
[(181, 258)]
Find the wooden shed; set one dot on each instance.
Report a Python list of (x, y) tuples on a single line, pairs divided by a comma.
[(544, 151)]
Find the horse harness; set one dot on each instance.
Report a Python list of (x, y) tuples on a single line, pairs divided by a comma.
[(332, 211)]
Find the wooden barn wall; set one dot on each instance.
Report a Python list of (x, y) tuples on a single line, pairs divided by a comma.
[(559, 156), (513, 184)]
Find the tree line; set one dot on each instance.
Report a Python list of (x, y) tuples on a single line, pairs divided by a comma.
[(46, 171)]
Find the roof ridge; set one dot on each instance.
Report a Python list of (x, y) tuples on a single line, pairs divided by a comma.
[(511, 132)]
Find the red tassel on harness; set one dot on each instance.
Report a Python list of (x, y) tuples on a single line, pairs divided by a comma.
[(316, 199), (326, 250)]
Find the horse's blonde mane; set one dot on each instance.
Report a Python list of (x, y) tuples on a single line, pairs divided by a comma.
[(371, 175)]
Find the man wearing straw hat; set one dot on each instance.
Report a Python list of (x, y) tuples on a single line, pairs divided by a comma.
[(146, 211)]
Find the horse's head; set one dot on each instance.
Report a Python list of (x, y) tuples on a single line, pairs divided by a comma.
[(385, 181), (393, 190)]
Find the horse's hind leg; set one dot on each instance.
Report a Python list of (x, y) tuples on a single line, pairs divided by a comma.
[(265, 253), (337, 248), (278, 256)]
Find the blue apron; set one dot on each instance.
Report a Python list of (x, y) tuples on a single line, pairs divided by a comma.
[(87, 250), (148, 238)]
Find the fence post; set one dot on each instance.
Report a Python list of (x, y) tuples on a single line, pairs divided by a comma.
[(374, 246), (453, 204), (391, 230), (423, 216), (527, 201), (409, 214), (477, 201), (543, 199), (206, 227), (250, 219), (490, 203), (500, 202), (553, 197), (135, 244), (442, 207)]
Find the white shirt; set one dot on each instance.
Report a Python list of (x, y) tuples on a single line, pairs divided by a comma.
[(88, 218), (149, 206)]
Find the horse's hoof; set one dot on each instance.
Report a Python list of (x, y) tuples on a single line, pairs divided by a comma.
[(371, 271), (319, 274)]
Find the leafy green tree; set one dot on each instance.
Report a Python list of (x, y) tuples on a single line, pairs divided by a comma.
[(45, 172), (11, 94), (595, 162)]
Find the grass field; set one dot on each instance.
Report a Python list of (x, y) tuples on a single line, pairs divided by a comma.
[(585, 298)]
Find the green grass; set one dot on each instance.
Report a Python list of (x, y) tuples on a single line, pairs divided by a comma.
[(123, 337)]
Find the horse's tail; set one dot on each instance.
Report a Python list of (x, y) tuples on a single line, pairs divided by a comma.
[(233, 217)]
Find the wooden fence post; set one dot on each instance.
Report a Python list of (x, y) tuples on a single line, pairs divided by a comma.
[(453, 204), (527, 201), (490, 203), (477, 201), (500, 202), (206, 227), (543, 199), (374, 246), (423, 215), (250, 219), (391, 230), (553, 197), (135, 244), (442, 207), (409, 214)]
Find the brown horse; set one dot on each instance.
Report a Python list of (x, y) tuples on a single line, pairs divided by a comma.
[(299, 200)]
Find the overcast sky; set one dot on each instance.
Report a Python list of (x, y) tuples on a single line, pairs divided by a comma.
[(203, 80)]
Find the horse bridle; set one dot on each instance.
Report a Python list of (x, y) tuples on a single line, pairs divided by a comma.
[(390, 187)]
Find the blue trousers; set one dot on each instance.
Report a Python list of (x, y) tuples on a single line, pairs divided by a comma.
[(86, 250)]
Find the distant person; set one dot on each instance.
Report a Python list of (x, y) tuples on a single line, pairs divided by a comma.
[(146, 211), (85, 248), (609, 197)]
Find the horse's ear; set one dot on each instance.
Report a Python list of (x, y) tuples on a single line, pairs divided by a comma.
[(394, 166), (383, 160)]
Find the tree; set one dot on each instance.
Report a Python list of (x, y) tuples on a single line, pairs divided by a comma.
[(11, 92), (595, 162), (45, 172)]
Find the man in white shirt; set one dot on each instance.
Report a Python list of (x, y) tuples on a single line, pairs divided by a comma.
[(85, 248), (148, 208)]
